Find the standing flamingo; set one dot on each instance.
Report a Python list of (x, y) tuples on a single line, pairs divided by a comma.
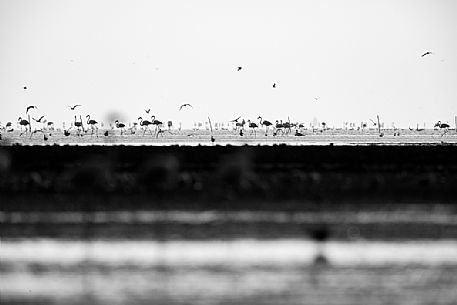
[(157, 124), (279, 127), (145, 124), (24, 123), (79, 125), (253, 126), (92, 124), (121, 126), (267, 124)]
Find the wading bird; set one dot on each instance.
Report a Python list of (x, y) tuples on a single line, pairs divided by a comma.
[(73, 107), (24, 123), (120, 126), (253, 126), (156, 123), (92, 124), (442, 125), (79, 125), (267, 124), (145, 124), (185, 105)]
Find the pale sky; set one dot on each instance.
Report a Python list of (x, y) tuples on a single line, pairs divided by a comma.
[(360, 57)]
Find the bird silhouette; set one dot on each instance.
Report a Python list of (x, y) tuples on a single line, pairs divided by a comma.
[(253, 126), (185, 105), (92, 124), (267, 124), (442, 125), (121, 126), (24, 123), (25, 87), (73, 107), (316, 98), (79, 125), (145, 124), (274, 85), (30, 107), (235, 120), (239, 68), (147, 110), (39, 120), (426, 53)]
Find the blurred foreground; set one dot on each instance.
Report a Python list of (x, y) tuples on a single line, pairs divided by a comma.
[(228, 225)]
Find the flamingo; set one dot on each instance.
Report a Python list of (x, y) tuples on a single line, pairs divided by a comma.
[(145, 124), (121, 126), (267, 124), (253, 126), (79, 125), (23, 123), (156, 123), (442, 125), (279, 127), (92, 124)]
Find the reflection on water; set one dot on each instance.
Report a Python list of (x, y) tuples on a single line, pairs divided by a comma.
[(237, 271)]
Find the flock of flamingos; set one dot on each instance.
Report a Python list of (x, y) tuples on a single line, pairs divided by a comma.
[(156, 127)]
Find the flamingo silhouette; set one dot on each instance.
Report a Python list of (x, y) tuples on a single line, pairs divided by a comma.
[(92, 124), (267, 124)]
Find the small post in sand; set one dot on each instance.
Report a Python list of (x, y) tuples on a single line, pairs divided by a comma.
[(379, 127)]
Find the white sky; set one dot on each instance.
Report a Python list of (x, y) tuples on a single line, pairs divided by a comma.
[(361, 57)]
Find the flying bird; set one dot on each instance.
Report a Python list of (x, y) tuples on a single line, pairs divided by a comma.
[(39, 120), (73, 107), (426, 53), (30, 107), (184, 105), (316, 98), (236, 120), (147, 110), (239, 68)]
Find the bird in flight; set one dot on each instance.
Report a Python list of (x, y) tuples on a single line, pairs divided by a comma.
[(30, 107), (184, 105), (239, 68), (73, 107), (39, 120), (147, 110), (426, 53), (316, 98), (236, 120), (274, 85)]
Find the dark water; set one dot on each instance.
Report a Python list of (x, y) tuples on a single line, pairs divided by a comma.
[(251, 267)]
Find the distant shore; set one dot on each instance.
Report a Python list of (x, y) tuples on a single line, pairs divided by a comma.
[(230, 137)]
